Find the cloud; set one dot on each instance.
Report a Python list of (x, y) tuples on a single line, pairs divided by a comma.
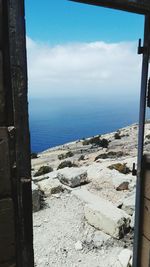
[(77, 69)]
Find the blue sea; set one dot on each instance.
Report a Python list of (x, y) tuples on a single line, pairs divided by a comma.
[(56, 121)]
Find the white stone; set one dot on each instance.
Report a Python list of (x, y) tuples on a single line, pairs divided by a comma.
[(132, 220), (78, 246), (99, 239), (129, 204), (131, 262), (50, 186), (107, 218), (103, 215), (35, 198), (96, 238), (72, 177), (124, 257)]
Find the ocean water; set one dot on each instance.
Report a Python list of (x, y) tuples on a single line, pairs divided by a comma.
[(57, 121)]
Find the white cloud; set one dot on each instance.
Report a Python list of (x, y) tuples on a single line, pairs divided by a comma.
[(79, 68)]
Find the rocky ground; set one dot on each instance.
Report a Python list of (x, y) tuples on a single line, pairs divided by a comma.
[(84, 201)]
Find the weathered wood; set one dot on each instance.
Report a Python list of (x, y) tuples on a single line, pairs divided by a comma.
[(18, 71), (146, 218), (1, 24), (145, 215), (5, 181), (146, 198), (145, 253), (7, 234), (2, 94), (147, 184), (8, 264)]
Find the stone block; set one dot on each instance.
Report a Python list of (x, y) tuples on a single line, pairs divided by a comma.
[(72, 177), (50, 187), (104, 216)]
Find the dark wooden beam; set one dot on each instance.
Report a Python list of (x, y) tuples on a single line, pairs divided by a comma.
[(22, 170), (138, 6)]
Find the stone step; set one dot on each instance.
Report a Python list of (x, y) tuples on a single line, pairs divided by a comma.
[(103, 215)]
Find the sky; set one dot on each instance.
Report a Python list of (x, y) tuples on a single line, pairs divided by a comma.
[(75, 49)]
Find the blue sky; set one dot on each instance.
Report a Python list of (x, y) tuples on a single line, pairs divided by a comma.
[(76, 48), (59, 21)]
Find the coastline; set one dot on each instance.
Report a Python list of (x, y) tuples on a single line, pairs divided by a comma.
[(98, 184)]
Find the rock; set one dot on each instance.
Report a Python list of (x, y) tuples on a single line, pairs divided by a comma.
[(132, 221), (51, 175), (35, 198), (94, 170), (107, 218), (124, 258), (131, 262), (129, 204), (95, 239), (132, 185), (72, 177), (50, 187), (78, 246), (121, 182), (103, 215), (123, 186), (99, 239)]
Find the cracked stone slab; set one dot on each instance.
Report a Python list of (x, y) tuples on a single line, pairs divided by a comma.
[(73, 177)]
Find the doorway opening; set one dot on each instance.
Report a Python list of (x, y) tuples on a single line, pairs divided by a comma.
[(81, 180)]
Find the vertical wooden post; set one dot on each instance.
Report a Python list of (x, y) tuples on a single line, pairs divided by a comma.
[(16, 237), (7, 211), (18, 71), (145, 214)]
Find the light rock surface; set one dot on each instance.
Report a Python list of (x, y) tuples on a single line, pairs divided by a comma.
[(35, 198), (132, 221), (78, 246), (129, 204), (106, 217), (121, 181), (124, 258), (103, 215), (59, 226), (98, 239), (72, 177), (50, 186)]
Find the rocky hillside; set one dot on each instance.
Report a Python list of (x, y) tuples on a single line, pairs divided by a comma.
[(84, 201)]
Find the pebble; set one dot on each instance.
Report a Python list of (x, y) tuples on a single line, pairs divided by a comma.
[(78, 246)]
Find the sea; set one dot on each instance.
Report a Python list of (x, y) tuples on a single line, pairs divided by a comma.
[(56, 121)]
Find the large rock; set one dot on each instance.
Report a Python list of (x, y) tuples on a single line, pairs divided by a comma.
[(129, 204), (50, 186), (72, 177), (35, 198), (124, 258), (107, 218), (103, 215)]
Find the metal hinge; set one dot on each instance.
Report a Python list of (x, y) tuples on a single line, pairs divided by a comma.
[(134, 171), (142, 49)]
